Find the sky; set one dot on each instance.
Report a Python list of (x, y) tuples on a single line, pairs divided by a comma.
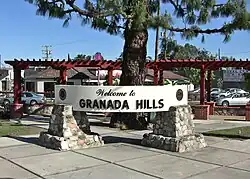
[(22, 35)]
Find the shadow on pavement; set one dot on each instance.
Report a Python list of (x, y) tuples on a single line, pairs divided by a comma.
[(36, 119), (126, 140), (101, 124), (30, 140)]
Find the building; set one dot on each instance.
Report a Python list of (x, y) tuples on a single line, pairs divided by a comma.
[(43, 80), (6, 79), (234, 78)]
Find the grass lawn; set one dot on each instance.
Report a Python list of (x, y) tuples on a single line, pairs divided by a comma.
[(8, 128), (238, 132)]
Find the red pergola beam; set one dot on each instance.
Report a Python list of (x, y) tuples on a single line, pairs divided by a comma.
[(110, 65), (104, 64)]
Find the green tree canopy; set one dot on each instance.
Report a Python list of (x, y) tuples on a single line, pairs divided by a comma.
[(82, 57), (172, 50), (133, 18)]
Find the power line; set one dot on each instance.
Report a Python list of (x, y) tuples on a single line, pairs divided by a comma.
[(67, 43), (236, 53)]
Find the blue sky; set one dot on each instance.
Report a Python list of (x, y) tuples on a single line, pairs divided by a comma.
[(22, 35)]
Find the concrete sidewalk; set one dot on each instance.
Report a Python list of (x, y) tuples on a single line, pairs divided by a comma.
[(200, 125), (122, 157)]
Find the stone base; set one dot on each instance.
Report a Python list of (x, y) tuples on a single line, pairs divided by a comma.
[(65, 133), (72, 143), (181, 144)]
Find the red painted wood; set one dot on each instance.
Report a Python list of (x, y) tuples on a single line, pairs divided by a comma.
[(161, 80), (156, 72), (110, 77), (17, 86), (209, 85), (106, 64), (202, 85), (63, 77)]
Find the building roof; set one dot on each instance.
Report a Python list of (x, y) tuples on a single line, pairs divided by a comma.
[(48, 73), (73, 73), (87, 73), (3, 73), (166, 75)]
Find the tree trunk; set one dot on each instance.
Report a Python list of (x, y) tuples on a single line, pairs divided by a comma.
[(133, 73)]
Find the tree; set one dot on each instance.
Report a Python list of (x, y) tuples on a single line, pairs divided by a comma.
[(98, 56), (133, 18), (224, 58), (170, 49), (82, 57)]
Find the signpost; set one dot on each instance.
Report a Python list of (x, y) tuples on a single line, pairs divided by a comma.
[(121, 98)]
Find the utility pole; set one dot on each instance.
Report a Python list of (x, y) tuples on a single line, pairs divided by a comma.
[(46, 52), (165, 39), (157, 33), (0, 61), (219, 54)]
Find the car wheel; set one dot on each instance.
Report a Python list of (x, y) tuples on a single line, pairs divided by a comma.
[(6, 102), (225, 103), (33, 102)]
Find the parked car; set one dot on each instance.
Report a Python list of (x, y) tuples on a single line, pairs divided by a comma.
[(237, 99), (30, 98), (236, 90), (215, 93), (215, 90)]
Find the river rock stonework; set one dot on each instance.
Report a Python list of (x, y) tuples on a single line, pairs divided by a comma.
[(174, 131), (64, 132)]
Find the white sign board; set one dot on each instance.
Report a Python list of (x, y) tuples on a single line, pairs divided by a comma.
[(121, 98)]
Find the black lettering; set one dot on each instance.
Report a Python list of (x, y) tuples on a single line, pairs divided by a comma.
[(102, 104), (95, 104), (117, 104), (161, 104), (145, 104), (108, 93), (99, 92), (110, 104), (125, 105), (154, 105), (148, 105), (88, 105), (82, 103), (139, 104)]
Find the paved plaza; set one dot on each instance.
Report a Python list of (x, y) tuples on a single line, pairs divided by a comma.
[(124, 157)]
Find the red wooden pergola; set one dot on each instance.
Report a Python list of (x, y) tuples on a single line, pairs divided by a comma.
[(158, 66)]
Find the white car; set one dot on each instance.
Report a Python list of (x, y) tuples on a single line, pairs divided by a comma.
[(240, 99), (229, 91)]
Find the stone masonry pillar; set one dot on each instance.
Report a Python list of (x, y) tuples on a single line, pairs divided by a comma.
[(174, 131), (64, 132)]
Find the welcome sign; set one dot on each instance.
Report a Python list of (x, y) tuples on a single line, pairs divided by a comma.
[(121, 98)]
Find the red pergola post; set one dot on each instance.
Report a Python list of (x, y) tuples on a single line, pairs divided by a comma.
[(17, 86), (202, 85), (16, 109), (161, 77), (63, 76), (110, 77), (209, 85), (156, 71)]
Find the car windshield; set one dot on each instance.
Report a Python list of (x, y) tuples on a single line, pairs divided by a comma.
[(31, 94), (230, 95), (35, 94)]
